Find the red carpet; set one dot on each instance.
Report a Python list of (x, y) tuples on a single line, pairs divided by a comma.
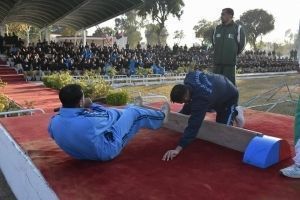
[(202, 171), (23, 93), (10, 75), (40, 96)]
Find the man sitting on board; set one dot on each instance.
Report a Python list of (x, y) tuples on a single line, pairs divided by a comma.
[(293, 171), (89, 131), (202, 92)]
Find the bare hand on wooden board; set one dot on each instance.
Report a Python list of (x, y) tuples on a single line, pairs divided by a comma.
[(171, 154)]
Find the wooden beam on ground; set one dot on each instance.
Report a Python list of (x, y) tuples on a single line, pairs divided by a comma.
[(227, 136)]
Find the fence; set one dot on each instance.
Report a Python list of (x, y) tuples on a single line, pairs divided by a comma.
[(169, 78), (21, 112), (135, 80)]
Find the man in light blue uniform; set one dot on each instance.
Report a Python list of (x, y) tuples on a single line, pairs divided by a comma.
[(96, 132)]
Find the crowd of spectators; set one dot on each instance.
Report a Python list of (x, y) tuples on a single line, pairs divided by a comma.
[(9, 41), (262, 61), (66, 55), (69, 56)]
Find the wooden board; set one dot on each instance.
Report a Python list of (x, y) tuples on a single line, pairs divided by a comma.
[(228, 136)]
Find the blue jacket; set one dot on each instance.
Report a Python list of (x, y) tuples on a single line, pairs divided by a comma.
[(132, 66), (80, 132), (208, 91), (87, 53)]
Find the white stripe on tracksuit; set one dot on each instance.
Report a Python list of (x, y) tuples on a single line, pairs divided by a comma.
[(232, 109), (297, 150), (239, 38), (214, 36)]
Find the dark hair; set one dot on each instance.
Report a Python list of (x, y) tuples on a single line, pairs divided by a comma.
[(70, 95), (229, 11), (178, 92)]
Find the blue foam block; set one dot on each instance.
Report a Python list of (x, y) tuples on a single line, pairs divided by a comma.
[(262, 151)]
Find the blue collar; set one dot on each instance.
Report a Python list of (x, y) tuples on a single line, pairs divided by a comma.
[(70, 112)]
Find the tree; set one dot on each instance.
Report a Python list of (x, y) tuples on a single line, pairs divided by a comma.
[(256, 22), (120, 25), (129, 26), (152, 37), (19, 29), (68, 31), (24, 31), (62, 30), (289, 36), (133, 37), (103, 32), (204, 30), (261, 45), (160, 11), (297, 40), (178, 35)]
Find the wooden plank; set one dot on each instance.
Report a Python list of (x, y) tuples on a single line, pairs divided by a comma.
[(228, 136)]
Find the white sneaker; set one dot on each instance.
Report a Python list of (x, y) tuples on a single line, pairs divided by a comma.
[(138, 101), (165, 108), (292, 171), (240, 119)]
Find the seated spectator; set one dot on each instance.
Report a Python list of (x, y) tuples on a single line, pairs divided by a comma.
[(157, 68)]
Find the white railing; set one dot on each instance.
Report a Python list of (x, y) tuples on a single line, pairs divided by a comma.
[(151, 79), (19, 112), (168, 78), (137, 80)]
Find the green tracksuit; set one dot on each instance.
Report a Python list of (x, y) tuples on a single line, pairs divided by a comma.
[(228, 41), (297, 123)]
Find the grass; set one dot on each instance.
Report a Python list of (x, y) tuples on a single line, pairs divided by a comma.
[(248, 89)]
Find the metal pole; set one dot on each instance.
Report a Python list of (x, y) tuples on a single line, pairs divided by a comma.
[(47, 35), (28, 39), (84, 37)]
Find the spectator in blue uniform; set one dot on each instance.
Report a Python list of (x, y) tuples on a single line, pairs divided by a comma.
[(157, 68), (132, 66), (87, 53)]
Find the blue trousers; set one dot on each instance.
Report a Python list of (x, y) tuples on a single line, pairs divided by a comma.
[(226, 112), (131, 120)]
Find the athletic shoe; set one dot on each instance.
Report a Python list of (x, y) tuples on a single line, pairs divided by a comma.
[(239, 119), (292, 171), (138, 101), (165, 108)]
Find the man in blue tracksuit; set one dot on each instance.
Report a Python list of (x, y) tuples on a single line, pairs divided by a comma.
[(96, 132), (200, 93)]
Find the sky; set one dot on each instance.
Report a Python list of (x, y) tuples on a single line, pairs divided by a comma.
[(286, 14)]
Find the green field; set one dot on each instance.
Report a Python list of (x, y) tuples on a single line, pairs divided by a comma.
[(248, 89)]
